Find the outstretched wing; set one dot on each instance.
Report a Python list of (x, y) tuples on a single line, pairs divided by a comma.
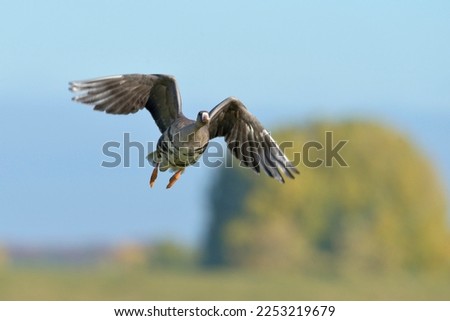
[(248, 140), (125, 94)]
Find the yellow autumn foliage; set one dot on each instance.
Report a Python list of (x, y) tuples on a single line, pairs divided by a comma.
[(385, 211)]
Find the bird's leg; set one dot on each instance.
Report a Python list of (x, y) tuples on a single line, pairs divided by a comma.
[(154, 175), (174, 178)]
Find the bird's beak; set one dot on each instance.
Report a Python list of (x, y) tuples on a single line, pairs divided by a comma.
[(205, 117)]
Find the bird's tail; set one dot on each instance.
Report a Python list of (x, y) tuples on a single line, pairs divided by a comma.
[(153, 158)]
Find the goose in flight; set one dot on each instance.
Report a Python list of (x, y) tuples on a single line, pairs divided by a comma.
[(184, 140)]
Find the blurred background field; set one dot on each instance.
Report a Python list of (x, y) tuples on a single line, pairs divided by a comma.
[(170, 272), (373, 74), (124, 284)]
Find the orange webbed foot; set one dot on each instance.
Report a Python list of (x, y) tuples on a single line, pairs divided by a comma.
[(174, 178), (154, 175)]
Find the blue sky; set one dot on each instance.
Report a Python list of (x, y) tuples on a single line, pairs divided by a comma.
[(286, 60)]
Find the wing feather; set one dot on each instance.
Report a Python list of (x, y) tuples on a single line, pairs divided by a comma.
[(127, 94), (248, 140)]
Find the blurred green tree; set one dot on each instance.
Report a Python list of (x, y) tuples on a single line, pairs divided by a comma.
[(385, 211)]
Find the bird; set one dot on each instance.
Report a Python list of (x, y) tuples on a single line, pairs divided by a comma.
[(184, 140)]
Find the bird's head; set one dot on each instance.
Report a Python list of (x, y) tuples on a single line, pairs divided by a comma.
[(202, 118)]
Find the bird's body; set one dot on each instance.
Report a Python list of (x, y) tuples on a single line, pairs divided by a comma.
[(183, 140), (180, 145)]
